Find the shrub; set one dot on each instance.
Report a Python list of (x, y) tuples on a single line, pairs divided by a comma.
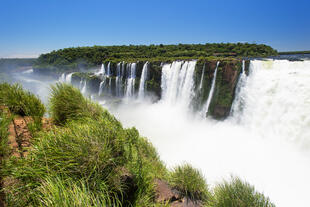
[(239, 193), (21, 102), (67, 103), (190, 182)]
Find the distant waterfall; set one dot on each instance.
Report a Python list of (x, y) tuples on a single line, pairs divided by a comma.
[(118, 80), (207, 105), (62, 78), (130, 86), (142, 81), (177, 82), (202, 76), (101, 71), (238, 103), (84, 87), (101, 88), (109, 70), (69, 78)]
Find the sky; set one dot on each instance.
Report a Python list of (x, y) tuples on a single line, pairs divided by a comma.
[(29, 28)]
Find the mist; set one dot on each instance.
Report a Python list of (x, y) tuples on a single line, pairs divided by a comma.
[(265, 142)]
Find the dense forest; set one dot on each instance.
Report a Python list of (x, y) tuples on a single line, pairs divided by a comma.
[(85, 57)]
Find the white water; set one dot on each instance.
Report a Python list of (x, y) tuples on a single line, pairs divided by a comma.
[(84, 88), (207, 104), (118, 80), (100, 88), (142, 81), (268, 147), (62, 78), (109, 70), (177, 83), (266, 141), (69, 78), (202, 77), (130, 86)]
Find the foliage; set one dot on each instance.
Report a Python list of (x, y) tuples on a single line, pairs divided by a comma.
[(67, 102), (239, 193), (5, 120), (190, 182), (86, 57), (21, 102)]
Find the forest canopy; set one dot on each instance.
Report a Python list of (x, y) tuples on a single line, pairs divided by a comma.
[(85, 57)]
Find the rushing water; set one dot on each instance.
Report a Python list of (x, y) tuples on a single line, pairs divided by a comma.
[(207, 105), (142, 81), (265, 141)]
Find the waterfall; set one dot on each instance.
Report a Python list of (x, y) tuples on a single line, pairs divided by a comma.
[(142, 81), (101, 88), (62, 78), (118, 80), (207, 105), (101, 72), (238, 103), (130, 86), (275, 100), (68, 78), (84, 87), (109, 70), (177, 82), (202, 76)]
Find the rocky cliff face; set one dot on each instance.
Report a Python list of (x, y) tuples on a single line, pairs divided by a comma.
[(226, 80)]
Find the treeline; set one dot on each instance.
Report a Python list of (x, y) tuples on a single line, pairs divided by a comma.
[(294, 52), (85, 57)]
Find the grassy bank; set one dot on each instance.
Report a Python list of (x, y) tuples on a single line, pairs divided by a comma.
[(89, 159)]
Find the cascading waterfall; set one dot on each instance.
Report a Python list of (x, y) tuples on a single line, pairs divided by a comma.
[(276, 92), (101, 88), (238, 103), (118, 80), (109, 70), (207, 104), (68, 78), (84, 88), (202, 77), (130, 86), (62, 78), (142, 81), (177, 82)]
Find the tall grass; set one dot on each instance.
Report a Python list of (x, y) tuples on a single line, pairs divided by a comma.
[(21, 102), (239, 193), (67, 103), (190, 182), (89, 159), (5, 120)]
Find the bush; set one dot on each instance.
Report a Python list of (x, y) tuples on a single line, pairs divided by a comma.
[(67, 103), (239, 193), (21, 102), (190, 182)]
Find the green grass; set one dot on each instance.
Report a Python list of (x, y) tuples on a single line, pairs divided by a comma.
[(190, 182), (239, 193), (5, 120), (21, 102), (67, 103), (89, 159)]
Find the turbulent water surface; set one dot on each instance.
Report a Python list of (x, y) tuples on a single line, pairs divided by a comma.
[(265, 140)]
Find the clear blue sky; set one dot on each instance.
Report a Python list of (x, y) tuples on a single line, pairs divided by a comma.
[(32, 27)]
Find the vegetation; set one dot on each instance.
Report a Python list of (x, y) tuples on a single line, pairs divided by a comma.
[(86, 57), (294, 52), (239, 193), (190, 182), (89, 159), (21, 102)]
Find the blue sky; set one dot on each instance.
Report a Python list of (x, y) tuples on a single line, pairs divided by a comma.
[(31, 27)]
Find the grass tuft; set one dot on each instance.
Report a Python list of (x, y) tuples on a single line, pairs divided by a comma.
[(190, 182), (67, 103), (239, 193)]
